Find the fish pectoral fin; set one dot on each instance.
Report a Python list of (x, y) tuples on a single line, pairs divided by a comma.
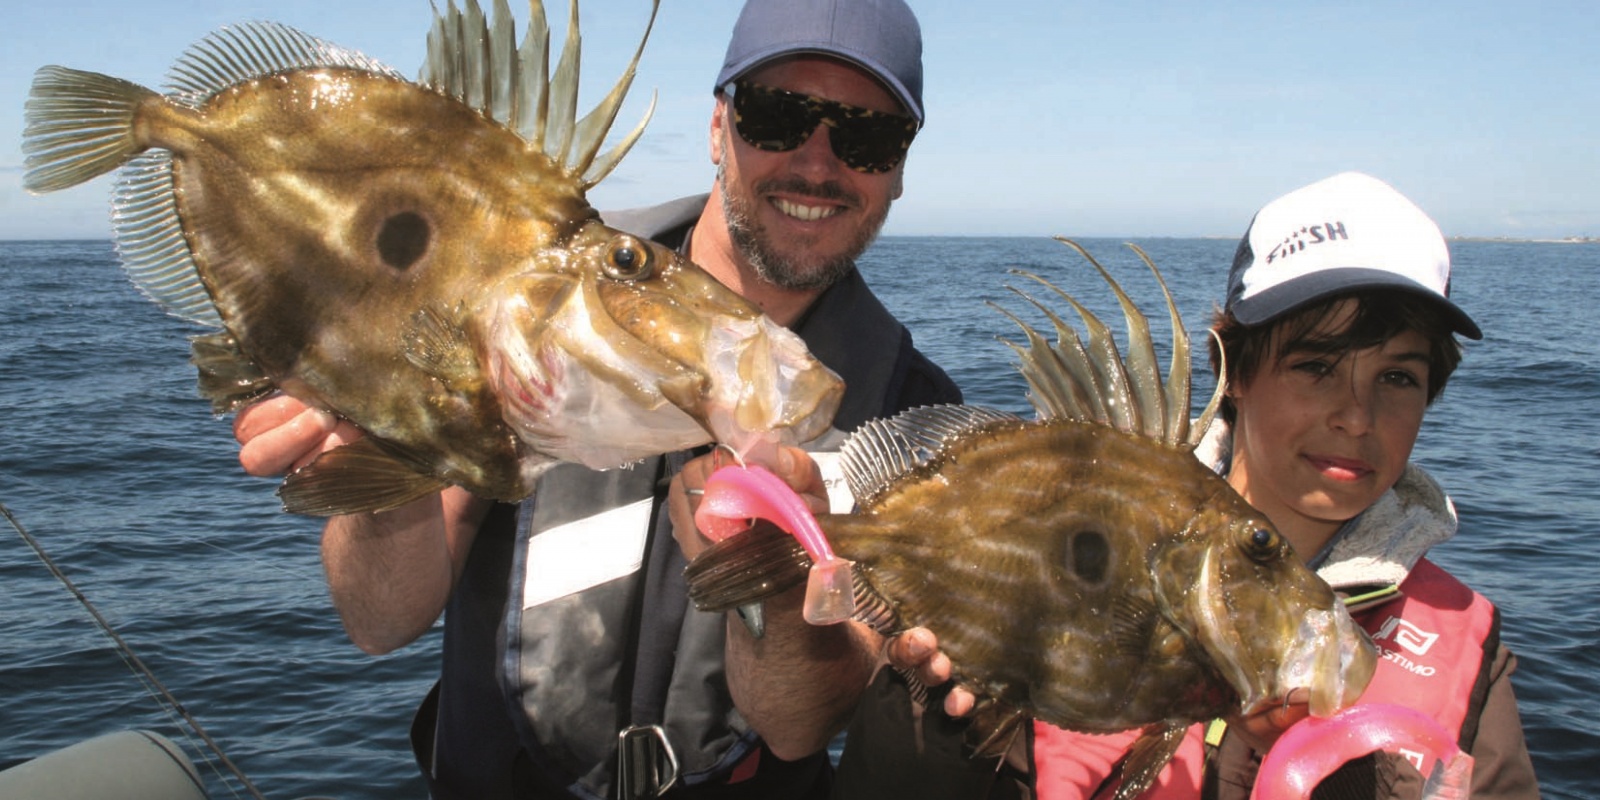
[(358, 477), (994, 726), (918, 690), (745, 568), (228, 378), (436, 342), (1145, 759), (1134, 621)]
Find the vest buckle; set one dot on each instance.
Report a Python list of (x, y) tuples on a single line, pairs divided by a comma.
[(646, 765)]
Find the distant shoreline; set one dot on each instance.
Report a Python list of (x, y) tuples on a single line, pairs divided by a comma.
[(1566, 240)]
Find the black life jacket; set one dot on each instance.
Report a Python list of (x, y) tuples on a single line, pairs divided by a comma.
[(596, 638)]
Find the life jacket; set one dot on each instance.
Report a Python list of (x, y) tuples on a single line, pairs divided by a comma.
[(1435, 638), (599, 651)]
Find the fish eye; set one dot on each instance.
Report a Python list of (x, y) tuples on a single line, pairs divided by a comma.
[(1262, 544), (403, 239), (628, 259)]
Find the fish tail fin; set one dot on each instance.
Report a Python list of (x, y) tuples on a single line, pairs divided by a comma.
[(746, 568), (80, 125)]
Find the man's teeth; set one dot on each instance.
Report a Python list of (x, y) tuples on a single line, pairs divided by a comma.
[(804, 212)]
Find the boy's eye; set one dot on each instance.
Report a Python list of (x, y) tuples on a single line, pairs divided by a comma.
[(1400, 377), (1312, 367)]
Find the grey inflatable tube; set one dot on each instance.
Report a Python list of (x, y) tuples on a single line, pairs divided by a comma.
[(128, 765)]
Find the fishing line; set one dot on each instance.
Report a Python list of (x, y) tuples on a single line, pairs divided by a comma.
[(129, 519), (129, 656)]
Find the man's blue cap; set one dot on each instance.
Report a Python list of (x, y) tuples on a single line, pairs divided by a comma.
[(880, 36)]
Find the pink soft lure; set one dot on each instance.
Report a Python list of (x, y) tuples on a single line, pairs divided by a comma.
[(1314, 747), (735, 495)]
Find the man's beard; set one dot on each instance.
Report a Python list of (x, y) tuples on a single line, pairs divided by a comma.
[(790, 271)]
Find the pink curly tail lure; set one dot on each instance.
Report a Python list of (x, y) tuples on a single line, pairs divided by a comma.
[(1314, 747), (736, 494)]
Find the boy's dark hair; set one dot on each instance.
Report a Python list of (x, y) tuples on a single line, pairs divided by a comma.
[(1380, 316)]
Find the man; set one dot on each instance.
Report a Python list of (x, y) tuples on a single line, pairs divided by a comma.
[(816, 104)]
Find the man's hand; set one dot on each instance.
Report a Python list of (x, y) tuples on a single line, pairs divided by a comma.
[(791, 465), (917, 651), (798, 683), (281, 434)]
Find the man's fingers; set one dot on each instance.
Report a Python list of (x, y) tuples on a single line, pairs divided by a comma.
[(959, 702), (917, 650), (262, 416), (911, 649), (683, 498), (275, 450)]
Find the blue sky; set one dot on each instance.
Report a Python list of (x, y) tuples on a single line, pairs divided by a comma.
[(1044, 116)]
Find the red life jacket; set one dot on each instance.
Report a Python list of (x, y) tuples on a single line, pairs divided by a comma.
[(1433, 639)]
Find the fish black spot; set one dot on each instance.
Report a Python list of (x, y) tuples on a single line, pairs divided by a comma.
[(1091, 556), (402, 239)]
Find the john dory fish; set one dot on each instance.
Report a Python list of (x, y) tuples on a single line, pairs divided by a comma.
[(419, 258), (1083, 568)]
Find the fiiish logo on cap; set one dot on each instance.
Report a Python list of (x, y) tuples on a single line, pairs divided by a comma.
[(1306, 237)]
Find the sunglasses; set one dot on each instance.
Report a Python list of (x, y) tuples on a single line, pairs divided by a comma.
[(778, 121)]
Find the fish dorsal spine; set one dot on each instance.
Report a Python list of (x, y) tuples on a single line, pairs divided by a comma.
[(477, 60), (1092, 382), (238, 54), (882, 451)]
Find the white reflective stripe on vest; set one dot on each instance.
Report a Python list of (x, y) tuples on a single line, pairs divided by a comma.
[(579, 555)]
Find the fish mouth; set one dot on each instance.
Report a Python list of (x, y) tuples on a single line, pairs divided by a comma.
[(1332, 660), (555, 404), (765, 385), (755, 382), (1317, 650)]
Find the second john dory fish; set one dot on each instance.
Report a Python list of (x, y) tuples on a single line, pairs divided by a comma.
[(419, 258), (1082, 568)]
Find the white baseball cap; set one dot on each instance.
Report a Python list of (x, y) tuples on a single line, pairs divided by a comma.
[(1340, 234)]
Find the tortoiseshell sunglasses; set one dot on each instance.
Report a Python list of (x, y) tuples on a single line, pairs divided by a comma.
[(779, 121)]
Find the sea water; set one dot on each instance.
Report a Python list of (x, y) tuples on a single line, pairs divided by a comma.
[(110, 458)]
